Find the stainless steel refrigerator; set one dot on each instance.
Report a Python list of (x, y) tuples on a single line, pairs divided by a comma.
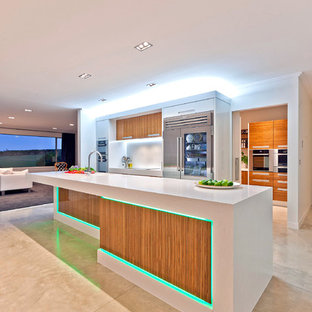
[(188, 146)]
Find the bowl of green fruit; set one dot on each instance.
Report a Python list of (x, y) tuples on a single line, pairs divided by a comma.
[(217, 184)]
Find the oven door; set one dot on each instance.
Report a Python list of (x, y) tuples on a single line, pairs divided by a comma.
[(261, 160), (260, 163)]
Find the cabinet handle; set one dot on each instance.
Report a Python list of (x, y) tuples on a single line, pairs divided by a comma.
[(153, 134), (260, 180), (187, 111), (282, 175), (282, 189), (127, 137), (261, 173), (285, 182), (264, 146), (282, 146)]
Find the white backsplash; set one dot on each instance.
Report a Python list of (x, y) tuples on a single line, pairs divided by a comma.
[(144, 153)]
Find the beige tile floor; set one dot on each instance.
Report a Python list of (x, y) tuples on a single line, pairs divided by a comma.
[(48, 266)]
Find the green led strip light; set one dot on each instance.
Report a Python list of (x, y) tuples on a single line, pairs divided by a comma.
[(158, 279), (71, 217), (201, 301), (191, 296)]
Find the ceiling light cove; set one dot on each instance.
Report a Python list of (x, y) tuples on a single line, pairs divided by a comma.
[(28, 110), (85, 76), (11, 117), (167, 92), (143, 46), (152, 84)]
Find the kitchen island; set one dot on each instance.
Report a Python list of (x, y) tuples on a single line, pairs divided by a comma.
[(196, 249)]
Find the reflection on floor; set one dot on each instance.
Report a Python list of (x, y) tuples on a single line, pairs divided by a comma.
[(48, 266)]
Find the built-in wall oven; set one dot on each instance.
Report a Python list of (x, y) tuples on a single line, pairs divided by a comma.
[(270, 160), (280, 160), (102, 147), (261, 160)]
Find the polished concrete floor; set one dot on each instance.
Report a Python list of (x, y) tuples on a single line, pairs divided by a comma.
[(48, 266)]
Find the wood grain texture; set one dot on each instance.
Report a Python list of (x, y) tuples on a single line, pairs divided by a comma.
[(280, 133), (82, 206), (174, 248), (261, 135), (262, 179), (244, 177), (139, 127)]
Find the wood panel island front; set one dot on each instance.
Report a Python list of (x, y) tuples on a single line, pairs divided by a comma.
[(196, 249)]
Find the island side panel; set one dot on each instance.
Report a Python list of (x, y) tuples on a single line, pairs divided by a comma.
[(173, 247), (82, 206)]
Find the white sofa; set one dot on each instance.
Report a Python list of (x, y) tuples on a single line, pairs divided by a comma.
[(14, 180)]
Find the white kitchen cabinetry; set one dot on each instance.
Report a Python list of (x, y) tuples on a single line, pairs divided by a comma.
[(188, 108)]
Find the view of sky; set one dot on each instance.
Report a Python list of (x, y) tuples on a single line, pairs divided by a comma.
[(25, 142)]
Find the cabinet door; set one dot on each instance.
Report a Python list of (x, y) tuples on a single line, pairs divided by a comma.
[(153, 123), (244, 179), (120, 129), (280, 133), (261, 135)]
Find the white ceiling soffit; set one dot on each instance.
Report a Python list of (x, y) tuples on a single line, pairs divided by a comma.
[(46, 45)]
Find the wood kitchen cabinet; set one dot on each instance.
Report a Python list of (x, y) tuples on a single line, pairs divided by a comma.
[(244, 178), (144, 126), (261, 135), (280, 186), (280, 133)]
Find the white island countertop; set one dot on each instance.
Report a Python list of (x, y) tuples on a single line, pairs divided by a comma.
[(103, 184), (242, 230)]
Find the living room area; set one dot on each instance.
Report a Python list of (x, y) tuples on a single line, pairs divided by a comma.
[(23, 151)]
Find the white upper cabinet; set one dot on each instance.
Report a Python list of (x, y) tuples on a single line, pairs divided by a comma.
[(188, 108)]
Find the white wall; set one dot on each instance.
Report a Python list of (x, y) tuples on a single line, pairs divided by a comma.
[(305, 150), (282, 90), (236, 139), (86, 138)]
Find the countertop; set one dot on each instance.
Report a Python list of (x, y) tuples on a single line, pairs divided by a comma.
[(107, 184)]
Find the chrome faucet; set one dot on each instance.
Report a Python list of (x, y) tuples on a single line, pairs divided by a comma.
[(89, 157)]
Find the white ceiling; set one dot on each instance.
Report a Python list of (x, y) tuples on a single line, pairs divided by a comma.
[(45, 45)]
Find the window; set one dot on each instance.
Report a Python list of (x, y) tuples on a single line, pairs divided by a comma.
[(29, 151)]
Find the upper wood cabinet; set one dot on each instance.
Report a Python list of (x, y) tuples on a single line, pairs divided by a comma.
[(280, 133), (261, 135), (144, 126)]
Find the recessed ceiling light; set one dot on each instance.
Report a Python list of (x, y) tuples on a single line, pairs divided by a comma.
[(54, 128), (143, 46), (28, 110), (84, 76), (71, 125), (102, 100), (152, 84), (11, 117)]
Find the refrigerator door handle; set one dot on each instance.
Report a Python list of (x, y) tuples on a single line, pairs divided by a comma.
[(178, 153), (181, 154)]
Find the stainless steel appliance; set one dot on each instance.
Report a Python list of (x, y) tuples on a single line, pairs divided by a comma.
[(261, 160), (102, 147), (188, 146), (280, 160)]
